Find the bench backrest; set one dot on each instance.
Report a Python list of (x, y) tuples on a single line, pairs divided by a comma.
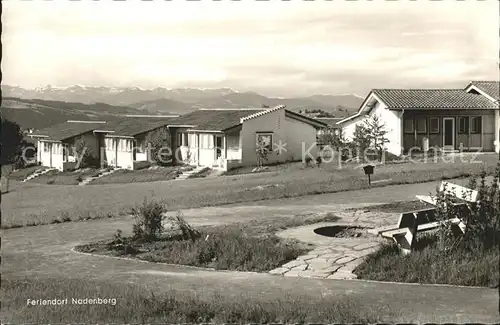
[(458, 191), (417, 218)]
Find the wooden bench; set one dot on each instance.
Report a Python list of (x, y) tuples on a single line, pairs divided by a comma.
[(411, 223), (456, 191)]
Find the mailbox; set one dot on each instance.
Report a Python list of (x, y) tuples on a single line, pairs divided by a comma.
[(369, 171)]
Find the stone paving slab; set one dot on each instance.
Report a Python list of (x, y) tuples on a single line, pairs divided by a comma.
[(332, 258)]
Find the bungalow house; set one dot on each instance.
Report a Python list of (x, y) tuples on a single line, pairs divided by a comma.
[(227, 138), (448, 119), (54, 143), (119, 143)]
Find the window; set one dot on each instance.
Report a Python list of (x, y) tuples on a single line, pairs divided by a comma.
[(139, 146), (476, 124), (408, 125), (266, 140), (182, 139), (434, 125), (46, 147), (206, 141), (421, 124), (463, 125)]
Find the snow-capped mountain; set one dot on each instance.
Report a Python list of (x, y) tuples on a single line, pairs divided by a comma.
[(182, 100)]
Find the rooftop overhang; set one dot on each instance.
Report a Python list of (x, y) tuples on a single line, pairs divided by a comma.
[(315, 123), (480, 91), (103, 131), (205, 131), (119, 136), (51, 140), (365, 108)]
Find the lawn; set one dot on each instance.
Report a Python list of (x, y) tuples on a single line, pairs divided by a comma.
[(135, 304), (55, 177), (22, 206), (250, 246), (141, 175), (21, 174)]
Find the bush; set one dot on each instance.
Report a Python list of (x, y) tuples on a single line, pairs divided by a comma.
[(308, 161), (180, 229), (482, 219), (148, 220)]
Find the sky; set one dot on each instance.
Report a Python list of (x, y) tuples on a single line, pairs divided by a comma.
[(276, 48)]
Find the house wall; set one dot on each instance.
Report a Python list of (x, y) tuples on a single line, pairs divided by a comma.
[(91, 141), (393, 123), (271, 122), (497, 131), (300, 139), (467, 142), (233, 144), (143, 141)]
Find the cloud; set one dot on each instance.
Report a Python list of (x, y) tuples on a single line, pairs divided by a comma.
[(280, 48)]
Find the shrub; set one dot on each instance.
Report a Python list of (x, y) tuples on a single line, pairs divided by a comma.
[(308, 161), (482, 219), (180, 229), (148, 220), (319, 160)]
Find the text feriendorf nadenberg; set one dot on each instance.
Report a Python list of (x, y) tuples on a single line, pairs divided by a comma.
[(72, 301)]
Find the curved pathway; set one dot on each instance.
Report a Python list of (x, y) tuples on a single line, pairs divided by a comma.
[(45, 251)]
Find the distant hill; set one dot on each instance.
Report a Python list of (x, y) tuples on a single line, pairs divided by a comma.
[(37, 114), (183, 100), (163, 105)]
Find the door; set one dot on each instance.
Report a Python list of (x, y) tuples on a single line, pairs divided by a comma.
[(218, 150), (448, 133)]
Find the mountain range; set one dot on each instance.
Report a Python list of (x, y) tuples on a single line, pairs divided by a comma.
[(182, 100)]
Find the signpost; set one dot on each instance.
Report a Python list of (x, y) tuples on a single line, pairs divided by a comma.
[(369, 171)]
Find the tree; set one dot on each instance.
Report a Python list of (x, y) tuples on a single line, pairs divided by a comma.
[(361, 140), (262, 152), (332, 137), (84, 155), (11, 143), (11, 146), (157, 141), (376, 130)]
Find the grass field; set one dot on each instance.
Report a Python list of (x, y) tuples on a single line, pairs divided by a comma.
[(47, 203), (134, 304)]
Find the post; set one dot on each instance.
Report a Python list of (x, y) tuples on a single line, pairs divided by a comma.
[(369, 180)]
